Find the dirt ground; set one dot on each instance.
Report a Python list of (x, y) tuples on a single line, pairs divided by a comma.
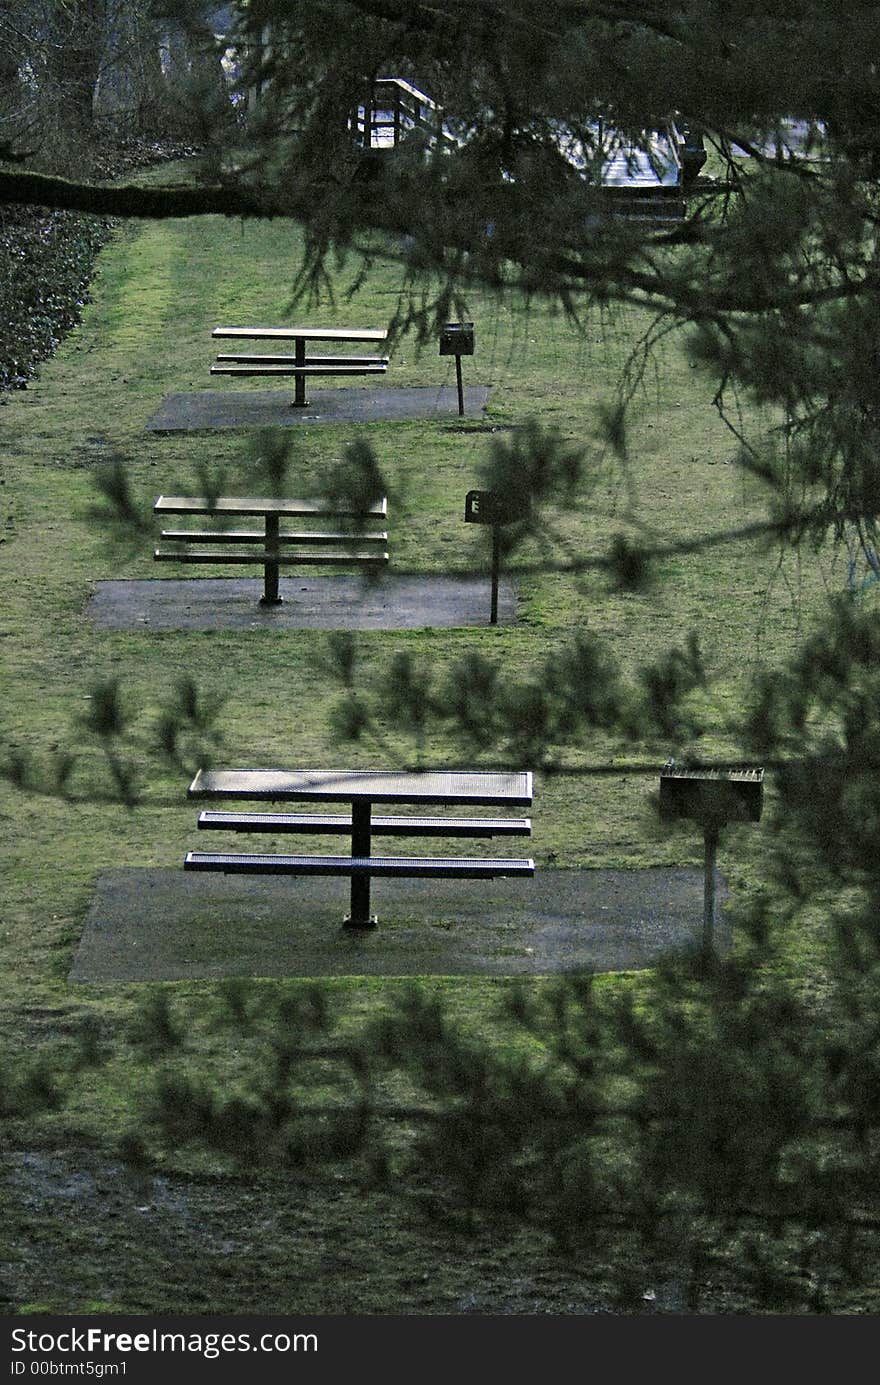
[(83, 1235)]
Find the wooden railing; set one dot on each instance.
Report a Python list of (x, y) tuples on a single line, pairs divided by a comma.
[(393, 109)]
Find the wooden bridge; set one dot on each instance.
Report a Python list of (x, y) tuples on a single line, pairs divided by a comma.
[(645, 183)]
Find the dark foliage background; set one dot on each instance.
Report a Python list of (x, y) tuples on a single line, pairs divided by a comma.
[(47, 259)]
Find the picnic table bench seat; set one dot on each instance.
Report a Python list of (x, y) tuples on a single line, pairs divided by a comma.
[(232, 863), (288, 368), (221, 556), (381, 826), (255, 536)]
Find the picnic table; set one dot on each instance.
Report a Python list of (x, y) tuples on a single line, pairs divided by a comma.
[(355, 544), (300, 364), (361, 789)]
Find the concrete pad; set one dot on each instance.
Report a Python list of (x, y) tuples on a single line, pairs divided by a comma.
[(172, 925), (308, 603), (208, 411)]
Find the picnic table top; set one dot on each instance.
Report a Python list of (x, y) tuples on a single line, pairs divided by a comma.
[(261, 505), (304, 333), (379, 786)]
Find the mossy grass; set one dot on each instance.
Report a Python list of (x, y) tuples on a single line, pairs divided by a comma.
[(159, 290)]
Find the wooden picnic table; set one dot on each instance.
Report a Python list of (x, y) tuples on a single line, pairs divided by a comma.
[(300, 364), (361, 789)]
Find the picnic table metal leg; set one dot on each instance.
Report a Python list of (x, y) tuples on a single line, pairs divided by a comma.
[(710, 842), (299, 384), (270, 595), (361, 819)]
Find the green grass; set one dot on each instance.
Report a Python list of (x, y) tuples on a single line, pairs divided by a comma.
[(159, 290)]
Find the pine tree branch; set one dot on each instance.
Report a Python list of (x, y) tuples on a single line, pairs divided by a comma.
[(132, 200), (617, 280), (475, 15)]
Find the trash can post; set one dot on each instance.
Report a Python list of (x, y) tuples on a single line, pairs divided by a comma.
[(496, 569), (457, 339), (485, 507)]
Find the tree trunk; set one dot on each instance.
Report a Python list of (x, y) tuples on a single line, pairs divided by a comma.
[(73, 57)]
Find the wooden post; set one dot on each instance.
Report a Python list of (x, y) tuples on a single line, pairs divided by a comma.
[(361, 819), (460, 386)]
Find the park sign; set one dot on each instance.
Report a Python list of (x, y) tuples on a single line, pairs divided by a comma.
[(488, 507)]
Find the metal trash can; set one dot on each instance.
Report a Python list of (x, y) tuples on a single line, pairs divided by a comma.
[(457, 339)]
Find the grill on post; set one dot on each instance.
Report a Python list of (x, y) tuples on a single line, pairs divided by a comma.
[(711, 795), (457, 339), (712, 798)]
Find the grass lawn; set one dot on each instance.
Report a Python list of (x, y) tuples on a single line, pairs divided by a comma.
[(260, 1244)]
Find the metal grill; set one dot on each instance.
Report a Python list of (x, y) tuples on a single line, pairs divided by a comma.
[(457, 339), (712, 796)]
